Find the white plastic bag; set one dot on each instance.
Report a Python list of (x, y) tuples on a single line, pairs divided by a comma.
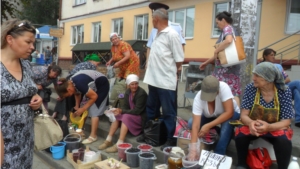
[(110, 72), (110, 114)]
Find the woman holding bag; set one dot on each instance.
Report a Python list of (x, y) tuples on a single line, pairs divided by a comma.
[(229, 75)]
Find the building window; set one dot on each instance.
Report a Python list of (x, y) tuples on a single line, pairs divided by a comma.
[(141, 27), (77, 34), (96, 32), (117, 26), (78, 2), (293, 16), (219, 7), (186, 19)]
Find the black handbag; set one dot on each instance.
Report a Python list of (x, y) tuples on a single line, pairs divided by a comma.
[(45, 94), (155, 132)]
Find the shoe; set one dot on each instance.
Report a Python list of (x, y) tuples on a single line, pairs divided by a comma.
[(297, 124), (169, 143), (112, 149), (89, 140), (105, 145), (141, 138)]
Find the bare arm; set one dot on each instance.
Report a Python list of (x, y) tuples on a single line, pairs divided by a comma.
[(77, 100), (287, 80), (147, 57), (195, 128), (92, 95), (224, 44)]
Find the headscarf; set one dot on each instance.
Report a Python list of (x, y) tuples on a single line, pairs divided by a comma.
[(131, 78), (92, 57), (270, 73), (115, 34)]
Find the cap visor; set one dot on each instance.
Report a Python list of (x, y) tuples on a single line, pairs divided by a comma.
[(208, 96)]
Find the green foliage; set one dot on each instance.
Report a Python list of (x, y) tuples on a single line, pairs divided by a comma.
[(9, 9), (44, 12)]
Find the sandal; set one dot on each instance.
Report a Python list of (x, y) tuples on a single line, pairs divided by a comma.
[(89, 140)]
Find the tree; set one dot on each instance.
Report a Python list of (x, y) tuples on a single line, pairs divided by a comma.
[(41, 12), (10, 8)]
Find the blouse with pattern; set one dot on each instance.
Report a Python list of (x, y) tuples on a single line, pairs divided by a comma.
[(82, 66), (40, 76), (285, 101)]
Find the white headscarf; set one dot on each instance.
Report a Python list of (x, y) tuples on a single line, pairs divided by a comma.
[(132, 78)]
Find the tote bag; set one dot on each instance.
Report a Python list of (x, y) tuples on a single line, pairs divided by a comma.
[(234, 54)]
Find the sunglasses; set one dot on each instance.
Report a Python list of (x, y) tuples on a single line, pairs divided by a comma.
[(21, 25)]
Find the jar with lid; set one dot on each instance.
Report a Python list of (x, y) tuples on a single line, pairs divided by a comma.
[(175, 158)]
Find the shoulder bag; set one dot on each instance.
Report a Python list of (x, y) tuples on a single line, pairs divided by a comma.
[(47, 131), (234, 54)]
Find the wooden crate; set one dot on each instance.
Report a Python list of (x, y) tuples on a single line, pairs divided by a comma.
[(79, 164), (104, 165)]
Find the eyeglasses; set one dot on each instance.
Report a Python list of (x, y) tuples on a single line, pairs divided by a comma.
[(23, 24)]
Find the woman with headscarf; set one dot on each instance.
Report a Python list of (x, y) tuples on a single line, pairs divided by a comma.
[(124, 58), (131, 115), (63, 106), (266, 112), (269, 56), (90, 89)]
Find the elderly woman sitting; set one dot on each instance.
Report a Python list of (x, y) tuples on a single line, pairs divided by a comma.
[(131, 115), (266, 113)]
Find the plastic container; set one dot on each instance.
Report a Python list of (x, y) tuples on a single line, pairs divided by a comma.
[(58, 150), (132, 157), (121, 150), (190, 164), (73, 141), (166, 152), (89, 156), (294, 164), (146, 160), (145, 147)]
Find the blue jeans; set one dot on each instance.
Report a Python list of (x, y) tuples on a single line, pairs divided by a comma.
[(226, 132), (295, 88), (166, 99)]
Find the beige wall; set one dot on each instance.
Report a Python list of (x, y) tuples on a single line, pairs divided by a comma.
[(201, 45)]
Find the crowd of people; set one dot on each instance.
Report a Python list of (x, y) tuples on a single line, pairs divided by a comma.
[(265, 110)]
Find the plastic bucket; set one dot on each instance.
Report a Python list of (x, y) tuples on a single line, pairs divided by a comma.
[(190, 164), (73, 141), (146, 160), (121, 150), (166, 152), (132, 157), (145, 147), (58, 150)]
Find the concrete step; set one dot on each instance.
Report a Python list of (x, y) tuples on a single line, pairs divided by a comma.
[(295, 68)]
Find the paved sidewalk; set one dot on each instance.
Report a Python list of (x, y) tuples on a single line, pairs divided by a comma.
[(39, 163)]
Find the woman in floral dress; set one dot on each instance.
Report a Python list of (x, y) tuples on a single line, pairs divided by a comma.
[(229, 75), (19, 97)]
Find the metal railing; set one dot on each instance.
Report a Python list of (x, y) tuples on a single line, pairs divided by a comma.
[(287, 49)]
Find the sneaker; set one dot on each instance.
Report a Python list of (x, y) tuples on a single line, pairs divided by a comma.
[(105, 145), (141, 138), (169, 143), (112, 149)]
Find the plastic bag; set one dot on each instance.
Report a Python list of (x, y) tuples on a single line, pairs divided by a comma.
[(155, 132), (110, 114), (110, 72)]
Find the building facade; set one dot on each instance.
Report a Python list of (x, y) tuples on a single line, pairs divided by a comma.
[(91, 21)]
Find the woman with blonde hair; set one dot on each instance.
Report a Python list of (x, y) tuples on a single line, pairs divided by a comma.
[(19, 98)]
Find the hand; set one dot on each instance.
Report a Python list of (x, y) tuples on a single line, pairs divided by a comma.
[(108, 63), (76, 107), (79, 112), (202, 66), (58, 99), (36, 102), (253, 129), (40, 87), (116, 65), (193, 156), (117, 111), (204, 130), (261, 126)]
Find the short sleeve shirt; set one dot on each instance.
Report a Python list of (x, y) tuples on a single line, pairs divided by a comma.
[(200, 106), (174, 26), (284, 97)]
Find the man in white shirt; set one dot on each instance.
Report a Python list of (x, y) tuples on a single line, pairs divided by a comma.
[(166, 57)]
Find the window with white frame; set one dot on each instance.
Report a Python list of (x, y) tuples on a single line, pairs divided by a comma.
[(219, 7), (186, 19), (293, 16), (117, 26), (77, 34), (96, 37), (78, 2), (141, 27)]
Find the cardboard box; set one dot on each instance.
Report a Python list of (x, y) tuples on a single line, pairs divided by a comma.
[(79, 164), (104, 165)]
